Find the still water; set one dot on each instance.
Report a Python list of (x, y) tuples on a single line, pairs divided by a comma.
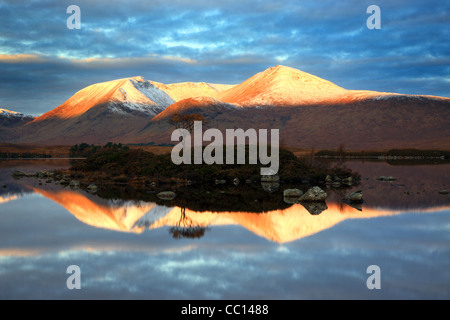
[(131, 249)]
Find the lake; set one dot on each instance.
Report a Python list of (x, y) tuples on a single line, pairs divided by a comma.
[(135, 249)]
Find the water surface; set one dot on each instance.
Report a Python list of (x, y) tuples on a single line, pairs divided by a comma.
[(130, 249)]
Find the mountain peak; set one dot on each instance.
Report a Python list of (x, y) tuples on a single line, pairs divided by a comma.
[(121, 96), (12, 114), (281, 85)]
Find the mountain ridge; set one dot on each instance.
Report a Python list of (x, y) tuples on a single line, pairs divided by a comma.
[(308, 111)]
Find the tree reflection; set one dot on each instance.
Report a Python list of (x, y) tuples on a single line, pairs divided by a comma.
[(185, 228)]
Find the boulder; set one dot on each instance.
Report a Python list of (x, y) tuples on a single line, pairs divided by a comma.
[(336, 184), (74, 184), (166, 195), (92, 188), (314, 194), (270, 178), (348, 180), (18, 174), (292, 193), (270, 186), (386, 178), (315, 208), (354, 197)]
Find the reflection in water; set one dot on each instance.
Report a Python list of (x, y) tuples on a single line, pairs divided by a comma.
[(38, 241), (295, 222), (186, 228)]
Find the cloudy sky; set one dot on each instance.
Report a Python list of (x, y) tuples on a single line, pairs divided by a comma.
[(43, 63)]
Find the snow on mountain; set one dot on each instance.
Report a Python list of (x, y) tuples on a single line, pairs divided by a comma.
[(120, 96), (13, 114), (184, 90), (285, 86)]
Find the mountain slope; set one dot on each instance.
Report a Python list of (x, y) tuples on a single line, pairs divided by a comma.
[(194, 105), (285, 86), (185, 90), (123, 95), (101, 112), (11, 123), (320, 114)]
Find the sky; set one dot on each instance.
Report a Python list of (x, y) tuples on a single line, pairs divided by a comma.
[(43, 63)]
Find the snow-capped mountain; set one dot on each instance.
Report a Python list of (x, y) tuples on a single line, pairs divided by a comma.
[(285, 86), (7, 114), (121, 96), (320, 114), (185, 90), (11, 123), (100, 112)]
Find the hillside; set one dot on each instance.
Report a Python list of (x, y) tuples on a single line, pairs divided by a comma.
[(310, 112)]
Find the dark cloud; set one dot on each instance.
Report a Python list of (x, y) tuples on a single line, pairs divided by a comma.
[(226, 41)]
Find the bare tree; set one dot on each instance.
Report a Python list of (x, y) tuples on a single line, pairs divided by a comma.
[(185, 228)]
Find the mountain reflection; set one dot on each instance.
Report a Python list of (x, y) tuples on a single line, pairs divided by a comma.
[(283, 225)]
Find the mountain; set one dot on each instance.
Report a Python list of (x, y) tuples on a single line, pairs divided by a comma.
[(13, 118), (11, 123), (100, 112), (285, 86), (309, 111), (185, 90), (195, 105)]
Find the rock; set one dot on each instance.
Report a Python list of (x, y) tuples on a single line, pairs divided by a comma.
[(43, 174), (270, 186), (314, 194), (74, 184), (444, 192), (292, 193), (166, 195), (92, 188), (315, 208), (190, 182), (354, 197), (18, 174), (336, 184), (64, 182), (248, 181), (385, 178), (220, 181), (270, 178), (348, 180), (357, 206), (58, 176), (153, 184), (328, 179), (236, 181), (336, 178)]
